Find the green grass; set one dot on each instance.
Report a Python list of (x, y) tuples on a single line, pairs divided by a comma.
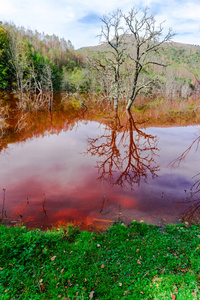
[(134, 262)]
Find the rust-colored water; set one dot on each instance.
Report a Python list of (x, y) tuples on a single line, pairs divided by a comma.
[(60, 169)]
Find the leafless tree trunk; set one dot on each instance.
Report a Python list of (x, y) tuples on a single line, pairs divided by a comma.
[(18, 55), (113, 34), (146, 35)]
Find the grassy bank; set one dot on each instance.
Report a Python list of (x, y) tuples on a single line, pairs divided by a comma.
[(135, 262)]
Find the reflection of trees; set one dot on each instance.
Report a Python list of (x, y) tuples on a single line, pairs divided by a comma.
[(192, 212), (4, 112), (126, 154), (178, 160), (32, 101), (106, 145), (44, 206), (19, 125)]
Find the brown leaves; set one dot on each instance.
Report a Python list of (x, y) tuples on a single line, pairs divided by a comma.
[(69, 283), (42, 287), (193, 294), (183, 270), (91, 294), (53, 258)]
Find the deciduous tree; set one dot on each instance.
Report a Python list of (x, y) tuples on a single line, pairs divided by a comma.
[(112, 33), (148, 39)]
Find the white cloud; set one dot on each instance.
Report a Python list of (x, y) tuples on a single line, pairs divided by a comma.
[(62, 17), (6, 7)]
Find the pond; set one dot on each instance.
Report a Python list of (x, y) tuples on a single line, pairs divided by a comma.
[(93, 171)]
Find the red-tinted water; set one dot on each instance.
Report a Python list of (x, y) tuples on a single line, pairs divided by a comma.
[(93, 174)]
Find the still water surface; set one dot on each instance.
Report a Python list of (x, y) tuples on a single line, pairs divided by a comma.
[(93, 174)]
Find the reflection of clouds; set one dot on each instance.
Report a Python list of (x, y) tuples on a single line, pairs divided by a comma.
[(172, 181), (172, 143), (56, 165), (164, 192), (42, 156), (191, 203)]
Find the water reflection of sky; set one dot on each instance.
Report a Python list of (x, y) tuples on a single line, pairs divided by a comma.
[(172, 143), (56, 168)]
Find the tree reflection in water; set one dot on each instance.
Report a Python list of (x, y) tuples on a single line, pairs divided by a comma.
[(44, 206), (192, 202), (126, 154)]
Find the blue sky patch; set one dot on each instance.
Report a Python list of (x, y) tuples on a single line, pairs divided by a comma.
[(91, 18)]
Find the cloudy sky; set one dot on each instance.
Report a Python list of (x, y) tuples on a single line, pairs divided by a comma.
[(79, 20)]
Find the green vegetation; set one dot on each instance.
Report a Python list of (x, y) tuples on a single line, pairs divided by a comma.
[(30, 61), (5, 72), (134, 262), (35, 62)]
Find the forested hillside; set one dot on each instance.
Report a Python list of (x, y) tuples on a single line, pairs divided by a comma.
[(179, 79), (33, 61)]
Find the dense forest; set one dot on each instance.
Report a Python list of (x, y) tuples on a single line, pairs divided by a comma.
[(36, 62)]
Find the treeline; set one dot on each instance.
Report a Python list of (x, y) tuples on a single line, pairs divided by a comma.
[(34, 61)]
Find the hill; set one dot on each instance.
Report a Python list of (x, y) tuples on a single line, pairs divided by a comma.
[(179, 80), (178, 55)]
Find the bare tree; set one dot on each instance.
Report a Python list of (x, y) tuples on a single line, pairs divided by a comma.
[(18, 56), (113, 34), (146, 39), (146, 34)]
